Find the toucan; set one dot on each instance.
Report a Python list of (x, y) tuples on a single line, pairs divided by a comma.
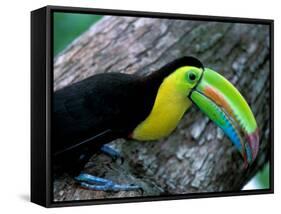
[(99, 109)]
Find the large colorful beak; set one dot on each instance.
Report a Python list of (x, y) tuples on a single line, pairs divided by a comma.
[(227, 108)]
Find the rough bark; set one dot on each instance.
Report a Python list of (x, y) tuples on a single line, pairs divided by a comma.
[(197, 157)]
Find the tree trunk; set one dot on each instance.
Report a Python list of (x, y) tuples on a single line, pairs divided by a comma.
[(197, 157)]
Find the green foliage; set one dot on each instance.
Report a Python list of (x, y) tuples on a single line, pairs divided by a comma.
[(263, 177), (68, 26)]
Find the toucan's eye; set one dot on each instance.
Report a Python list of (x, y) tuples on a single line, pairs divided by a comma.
[(191, 76)]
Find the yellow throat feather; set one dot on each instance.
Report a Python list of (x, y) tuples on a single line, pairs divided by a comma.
[(170, 105)]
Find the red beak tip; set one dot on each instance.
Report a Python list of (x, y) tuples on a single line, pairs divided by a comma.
[(253, 140), (246, 164)]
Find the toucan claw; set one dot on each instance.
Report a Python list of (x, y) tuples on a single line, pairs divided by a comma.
[(91, 182), (114, 154)]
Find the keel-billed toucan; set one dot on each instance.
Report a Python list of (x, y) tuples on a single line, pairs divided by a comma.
[(104, 107)]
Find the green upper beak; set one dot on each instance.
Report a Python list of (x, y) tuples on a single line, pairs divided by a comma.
[(227, 108)]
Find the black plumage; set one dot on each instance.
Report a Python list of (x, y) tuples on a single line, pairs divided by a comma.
[(101, 108)]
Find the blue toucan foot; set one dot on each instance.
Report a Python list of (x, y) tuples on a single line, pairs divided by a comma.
[(96, 183), (114, 154)]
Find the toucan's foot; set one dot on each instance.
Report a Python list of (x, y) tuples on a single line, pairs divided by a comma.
[(96, 183), (114, 154)]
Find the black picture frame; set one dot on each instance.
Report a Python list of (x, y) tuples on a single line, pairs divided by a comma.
[(41, 105)]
